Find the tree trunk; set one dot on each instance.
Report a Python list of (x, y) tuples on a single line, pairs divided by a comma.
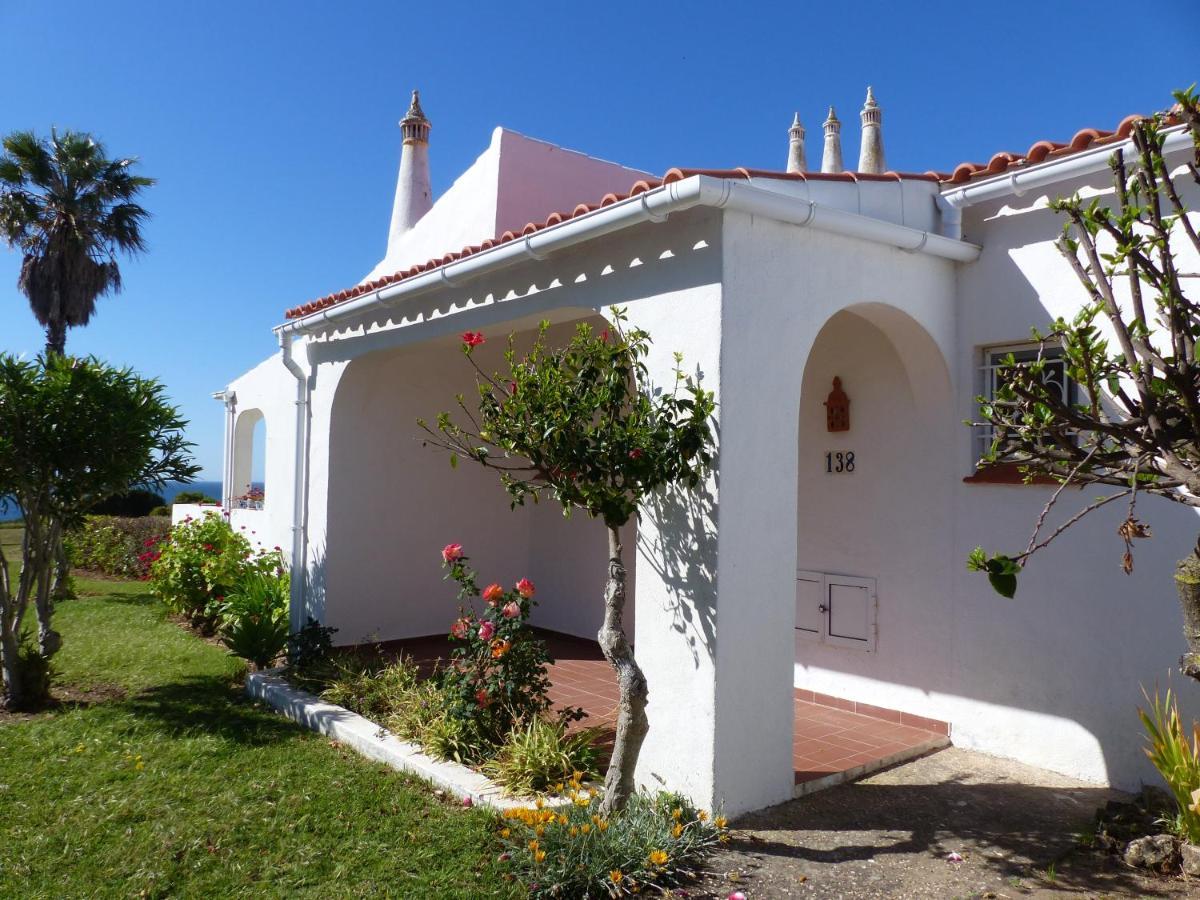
[(63, 588), (56, 337), (632, 724), (49, 640), (1187, 583), (10, 676)]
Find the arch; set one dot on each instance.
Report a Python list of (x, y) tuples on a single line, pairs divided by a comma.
[(249, 453), (873, 507)]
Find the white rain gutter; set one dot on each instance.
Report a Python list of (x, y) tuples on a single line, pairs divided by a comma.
[(1030, 178), (652, 206), (299, 482)]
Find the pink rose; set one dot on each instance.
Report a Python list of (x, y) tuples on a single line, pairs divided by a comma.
[(486, 630), (452, 552), (461, 628), (492, 594), (472, 338), (525, 588), (511, 610)]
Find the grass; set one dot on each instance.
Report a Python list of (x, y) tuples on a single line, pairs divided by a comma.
[(173, 784)]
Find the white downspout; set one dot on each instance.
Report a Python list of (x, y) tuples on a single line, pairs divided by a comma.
[(299, 566)]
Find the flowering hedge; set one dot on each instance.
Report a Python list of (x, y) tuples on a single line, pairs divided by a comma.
[(497, 672), (202, 561), (577, 851), (117, 545)]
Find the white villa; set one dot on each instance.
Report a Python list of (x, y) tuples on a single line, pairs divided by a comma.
[(817, 557)]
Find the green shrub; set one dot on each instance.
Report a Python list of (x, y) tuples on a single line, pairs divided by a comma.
[(36, 674), (574, 851), (203, 561), (160, 512), (541, 752), (254, 618), (1177, 760), (310, 650), (116, 545), (194, 497), (132, 504)]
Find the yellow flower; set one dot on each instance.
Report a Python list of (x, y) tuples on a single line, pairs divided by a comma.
[(539, 855), (677, 830), (581, 800), (585, 828), (602, 825), (505, 832), (538, 803), (595, 818), (616, 876), (577, 776), (702, 816), (562, 820), (677, 814), (533, 846), (540, 830), (80, 748), (557, 787), (574, 831), (720, 821), (657, 858)]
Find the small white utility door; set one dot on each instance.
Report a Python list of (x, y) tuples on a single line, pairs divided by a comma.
[(836, 609), (810, 597)]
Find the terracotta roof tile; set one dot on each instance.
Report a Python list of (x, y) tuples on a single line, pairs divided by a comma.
[(1083, 139)]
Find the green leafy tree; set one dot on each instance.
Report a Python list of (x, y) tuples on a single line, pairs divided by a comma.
[(69, 210), (582, 425), (72, 432), (1131, 349)]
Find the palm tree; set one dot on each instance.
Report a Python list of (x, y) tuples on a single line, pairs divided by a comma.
[(70, 210)]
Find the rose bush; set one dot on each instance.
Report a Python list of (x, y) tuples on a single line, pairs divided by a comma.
[(201, 562), (496, 678)]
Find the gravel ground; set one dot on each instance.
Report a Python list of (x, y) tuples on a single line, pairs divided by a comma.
[(890, 836)]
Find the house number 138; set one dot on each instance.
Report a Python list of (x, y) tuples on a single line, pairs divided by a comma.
[(837, 463)]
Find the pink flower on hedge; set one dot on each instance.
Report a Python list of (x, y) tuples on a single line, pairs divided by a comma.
[(452, 552), (486, 630), (525, 588), (492, 594), (511, 610), (472, 338), (461, 628), (482, 698)]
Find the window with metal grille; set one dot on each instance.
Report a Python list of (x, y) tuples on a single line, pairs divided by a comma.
[(993, 375)]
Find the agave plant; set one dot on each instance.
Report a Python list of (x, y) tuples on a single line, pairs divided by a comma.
[(254, 619)]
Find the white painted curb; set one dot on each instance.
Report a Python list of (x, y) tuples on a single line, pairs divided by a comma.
[(377, 743)]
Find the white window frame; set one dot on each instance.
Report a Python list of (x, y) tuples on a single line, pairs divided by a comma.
[(826, 580), (990, 364)]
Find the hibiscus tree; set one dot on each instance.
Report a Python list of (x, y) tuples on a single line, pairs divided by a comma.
[(581, 425)]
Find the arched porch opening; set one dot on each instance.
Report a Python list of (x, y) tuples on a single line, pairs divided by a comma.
[(873, 624), (394, 503), (249, 456)]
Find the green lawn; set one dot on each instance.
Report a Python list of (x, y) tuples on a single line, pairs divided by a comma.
[(182, 788)]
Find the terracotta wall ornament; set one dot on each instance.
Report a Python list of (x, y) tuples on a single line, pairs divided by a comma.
[(837, 408)]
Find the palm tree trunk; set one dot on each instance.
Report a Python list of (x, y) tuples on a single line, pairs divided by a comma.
[(1187, 583), (632, 723), (56, 337)]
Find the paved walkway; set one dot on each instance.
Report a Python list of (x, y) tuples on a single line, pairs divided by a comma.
[(835, 740)]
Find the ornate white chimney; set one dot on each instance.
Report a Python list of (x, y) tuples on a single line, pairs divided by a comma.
[(831, 159), (414, 195), (870, 153), (796, 159)]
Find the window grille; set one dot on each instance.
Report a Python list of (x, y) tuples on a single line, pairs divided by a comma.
[(1054, 374)]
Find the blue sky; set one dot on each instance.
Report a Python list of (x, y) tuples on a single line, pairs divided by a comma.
[(272, 127)]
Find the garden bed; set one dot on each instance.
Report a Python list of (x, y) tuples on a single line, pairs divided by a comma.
[(377, 743)]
